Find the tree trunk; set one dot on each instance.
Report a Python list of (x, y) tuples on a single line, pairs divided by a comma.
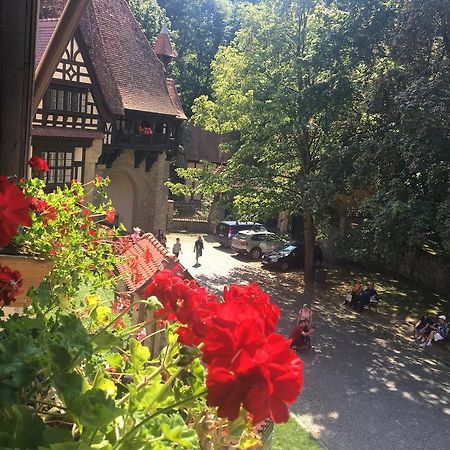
[(310, 238)]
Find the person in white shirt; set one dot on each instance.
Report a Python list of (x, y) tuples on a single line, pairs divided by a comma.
[(176, 249)]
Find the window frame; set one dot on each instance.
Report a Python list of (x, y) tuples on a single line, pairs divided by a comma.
[(64, 98), (60, 163)]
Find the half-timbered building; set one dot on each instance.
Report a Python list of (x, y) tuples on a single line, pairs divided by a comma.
[(110, 110)]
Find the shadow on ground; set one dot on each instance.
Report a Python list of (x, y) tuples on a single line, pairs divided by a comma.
[(367, 384)]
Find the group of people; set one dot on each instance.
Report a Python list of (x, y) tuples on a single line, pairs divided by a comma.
[(359, 297), (301, 334), (429, 331), (176, 249)]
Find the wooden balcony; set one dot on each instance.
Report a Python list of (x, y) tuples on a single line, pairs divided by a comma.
[(138, 141)]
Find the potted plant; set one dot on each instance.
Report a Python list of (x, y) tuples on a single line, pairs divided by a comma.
[(74, 370)]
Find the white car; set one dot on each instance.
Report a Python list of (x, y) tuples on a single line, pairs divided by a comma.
[(256, 243)]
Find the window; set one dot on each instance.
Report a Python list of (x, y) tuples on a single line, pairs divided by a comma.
[(258, 237), (60, 167), (59, 99)]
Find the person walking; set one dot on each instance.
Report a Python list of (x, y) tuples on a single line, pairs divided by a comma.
[(176, 249), (198, 250)]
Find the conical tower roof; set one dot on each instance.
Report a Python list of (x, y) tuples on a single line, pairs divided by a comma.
[(162, 46)]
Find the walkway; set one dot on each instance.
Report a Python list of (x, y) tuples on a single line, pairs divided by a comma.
[(365, 388)]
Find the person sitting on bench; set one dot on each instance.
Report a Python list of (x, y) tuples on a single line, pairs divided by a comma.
[(353, 296), (438, 332), (422, 327), (366, 296)]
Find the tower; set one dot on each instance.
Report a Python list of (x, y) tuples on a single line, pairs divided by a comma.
[(163, 48)]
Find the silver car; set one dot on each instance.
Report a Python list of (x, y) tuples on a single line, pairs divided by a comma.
[(256, 243)]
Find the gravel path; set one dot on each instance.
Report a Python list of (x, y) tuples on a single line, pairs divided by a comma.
[(365, 387)]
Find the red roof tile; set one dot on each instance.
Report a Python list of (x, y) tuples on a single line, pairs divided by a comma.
[(127, 59), (141, 260), (129, 73), (175, 98), (162, 46), (202, 145), (45, 29)]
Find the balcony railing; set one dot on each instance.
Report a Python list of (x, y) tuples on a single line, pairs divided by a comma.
[(142, 141)]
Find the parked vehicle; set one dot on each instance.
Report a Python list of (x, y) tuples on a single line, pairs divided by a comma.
[(256, 243), (227, 229), (291, 257)]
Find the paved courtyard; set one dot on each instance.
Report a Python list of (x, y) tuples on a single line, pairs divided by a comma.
[(365, 387)]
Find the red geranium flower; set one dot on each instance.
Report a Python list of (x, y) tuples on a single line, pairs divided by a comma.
[(110, 215), (38, 164), (263, 380), (10, 285), (13, 210), (252, 295), (42, 207)]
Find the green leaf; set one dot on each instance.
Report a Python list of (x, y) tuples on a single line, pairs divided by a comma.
[(105, 340), (29, 427), (176, 431), (139, 354), (105, 385), (94, 410)]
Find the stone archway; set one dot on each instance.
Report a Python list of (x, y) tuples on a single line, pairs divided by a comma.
[(122, 192)]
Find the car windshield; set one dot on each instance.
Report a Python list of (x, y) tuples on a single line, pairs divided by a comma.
[(287, 250)]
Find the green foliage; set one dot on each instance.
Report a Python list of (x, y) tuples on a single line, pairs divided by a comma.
[(200, 27), (73, 375), (70, 230), (150, 17), (401, 150)]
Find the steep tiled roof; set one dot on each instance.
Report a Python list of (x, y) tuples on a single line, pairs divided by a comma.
[(131, 65), (129, 73), (175, 98), (202, 145), (45, 28), (51, 8), (142, 259), (162, 46)]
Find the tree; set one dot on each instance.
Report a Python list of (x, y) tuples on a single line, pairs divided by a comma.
[(150, 17), (283, 84), (202, 26), (402, 150)]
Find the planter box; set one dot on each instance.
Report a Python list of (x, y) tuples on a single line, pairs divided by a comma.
[(33, 271)]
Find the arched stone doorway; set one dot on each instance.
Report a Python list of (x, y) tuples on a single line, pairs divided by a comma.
[(122, 192)]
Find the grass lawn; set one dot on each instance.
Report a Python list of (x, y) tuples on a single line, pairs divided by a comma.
[(291, 436)]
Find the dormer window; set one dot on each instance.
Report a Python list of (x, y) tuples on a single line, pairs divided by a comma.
[(66, 100)]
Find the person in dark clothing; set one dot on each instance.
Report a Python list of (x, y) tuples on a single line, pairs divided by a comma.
[(366, 295), (356, 294), (198, 249), (423, 326)]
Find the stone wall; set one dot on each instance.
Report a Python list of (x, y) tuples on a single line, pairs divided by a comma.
[(149, 211), (190, 225), (432, 271), (429, 270)]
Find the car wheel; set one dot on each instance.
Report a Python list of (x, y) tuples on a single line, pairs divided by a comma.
[(256, 253), (284, 266)]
